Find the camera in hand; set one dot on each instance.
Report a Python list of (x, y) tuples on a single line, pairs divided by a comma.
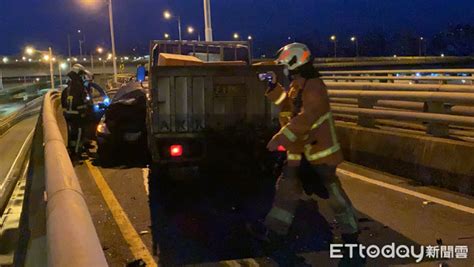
[(267, 76)]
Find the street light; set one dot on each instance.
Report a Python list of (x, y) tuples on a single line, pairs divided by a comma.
[(5, 60), (356, 42), (166, 35), (99, 51), (112, 34), (191, 31), (334, 40), (48, 56), (61, 66), (420, 46), (236, 36), (250, 38), (167, 15), (81, 41), (29, 50)]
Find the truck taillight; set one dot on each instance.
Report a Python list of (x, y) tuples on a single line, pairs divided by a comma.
[(281, 148), (176, 150)]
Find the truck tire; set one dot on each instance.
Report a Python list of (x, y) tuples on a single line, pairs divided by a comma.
[(105, 154)]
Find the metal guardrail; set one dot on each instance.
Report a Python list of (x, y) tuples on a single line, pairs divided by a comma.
[(71, 237), (440, 107), (27, 110), (6, 123), (14, 173), (443, 76), (406, 71)]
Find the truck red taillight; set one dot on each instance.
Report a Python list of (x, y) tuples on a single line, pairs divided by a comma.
[(281, 148), (176, 150)]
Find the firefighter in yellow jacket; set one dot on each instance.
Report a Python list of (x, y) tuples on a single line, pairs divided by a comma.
[(307, 130)]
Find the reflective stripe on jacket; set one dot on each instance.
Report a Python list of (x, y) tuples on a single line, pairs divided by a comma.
[(312, 131)]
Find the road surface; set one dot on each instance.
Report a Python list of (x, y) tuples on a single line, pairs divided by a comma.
[(201, 221), (11, 142)]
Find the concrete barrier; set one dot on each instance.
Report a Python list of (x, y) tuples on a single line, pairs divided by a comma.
[(71, 237), (425, 159)]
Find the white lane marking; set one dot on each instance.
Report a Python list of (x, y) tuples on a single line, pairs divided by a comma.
[(17, 158), (145, 173), (407, 191)]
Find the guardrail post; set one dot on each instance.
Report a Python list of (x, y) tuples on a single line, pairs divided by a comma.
[(366, 121), (436, 128), (390, 80), (352, 80)]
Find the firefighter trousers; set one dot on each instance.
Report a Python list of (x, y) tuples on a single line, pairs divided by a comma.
[(289, 189), (75, 126)]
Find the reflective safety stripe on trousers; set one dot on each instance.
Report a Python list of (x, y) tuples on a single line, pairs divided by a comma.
[(281, 215), (289, 134), (286, 115), (280, 99), (291, 156), (326, 152)]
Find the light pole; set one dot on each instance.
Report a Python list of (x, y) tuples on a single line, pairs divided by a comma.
[(112, 35), (112, 39), (167, 15), (207, 21), (356, 43), (48, 55), (250, 39), (99, 51), (334, 40), (81, 41), (420, 46), (61, 66), (69, 48), (191, 31)]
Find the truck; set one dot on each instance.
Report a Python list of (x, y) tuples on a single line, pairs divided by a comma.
[(206, 107)]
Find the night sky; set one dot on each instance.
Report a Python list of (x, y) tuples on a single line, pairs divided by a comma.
[(270, 22)]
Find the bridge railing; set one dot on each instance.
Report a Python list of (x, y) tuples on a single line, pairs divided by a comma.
[(27, 110), (405, 99), (71, 237), (411, 76)]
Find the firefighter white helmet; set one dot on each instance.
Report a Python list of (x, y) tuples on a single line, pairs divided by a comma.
[(77, 68), (293, 55), (88, 76)]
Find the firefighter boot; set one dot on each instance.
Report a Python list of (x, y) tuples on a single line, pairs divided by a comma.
[(351, 259), (277, 246)]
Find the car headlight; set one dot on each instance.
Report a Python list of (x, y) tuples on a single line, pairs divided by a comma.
[(106, 101), (102, 128)]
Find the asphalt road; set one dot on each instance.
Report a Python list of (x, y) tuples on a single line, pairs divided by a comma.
[(9, 108), (11, 142), (201, 221)]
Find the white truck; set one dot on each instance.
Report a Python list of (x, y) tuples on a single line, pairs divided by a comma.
[(206, 105)]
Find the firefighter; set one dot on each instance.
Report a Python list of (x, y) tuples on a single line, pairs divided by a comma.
[(308, 133), (92, 114), (74, 101)]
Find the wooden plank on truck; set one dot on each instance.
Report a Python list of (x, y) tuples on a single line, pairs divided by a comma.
[(166, 59)]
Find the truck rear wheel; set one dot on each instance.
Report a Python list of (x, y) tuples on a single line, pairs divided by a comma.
[(105, 154)]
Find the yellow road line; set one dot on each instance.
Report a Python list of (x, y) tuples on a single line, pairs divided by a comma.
[(137, 247), (407, 191)]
